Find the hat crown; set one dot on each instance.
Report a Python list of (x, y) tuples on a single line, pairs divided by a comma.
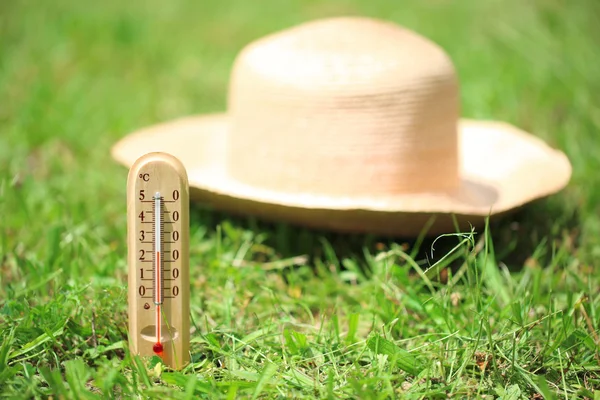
[(344, 106)]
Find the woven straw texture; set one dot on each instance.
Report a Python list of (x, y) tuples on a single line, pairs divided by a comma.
[(352, 124)]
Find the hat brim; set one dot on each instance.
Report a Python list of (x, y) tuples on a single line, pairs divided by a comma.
[(502, 168)]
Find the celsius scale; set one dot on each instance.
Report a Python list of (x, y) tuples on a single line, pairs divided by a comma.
[(158, 259)]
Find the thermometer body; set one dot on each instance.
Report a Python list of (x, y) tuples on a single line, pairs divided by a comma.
[(158, 258)]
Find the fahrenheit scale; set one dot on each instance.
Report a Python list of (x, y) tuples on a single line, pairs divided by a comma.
[(158, 239)]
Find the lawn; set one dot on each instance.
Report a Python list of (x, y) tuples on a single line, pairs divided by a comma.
[(280, 311)]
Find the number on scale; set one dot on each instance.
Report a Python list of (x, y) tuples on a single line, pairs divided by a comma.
[(142, 237)]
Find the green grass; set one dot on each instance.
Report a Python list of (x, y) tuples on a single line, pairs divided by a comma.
[(279, 311)]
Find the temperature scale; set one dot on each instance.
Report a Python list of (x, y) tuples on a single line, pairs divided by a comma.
[(158, 239)]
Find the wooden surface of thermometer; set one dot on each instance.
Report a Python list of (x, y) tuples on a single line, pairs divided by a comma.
[(158, 258)]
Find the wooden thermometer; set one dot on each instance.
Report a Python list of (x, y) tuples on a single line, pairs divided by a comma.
[(158, 239)]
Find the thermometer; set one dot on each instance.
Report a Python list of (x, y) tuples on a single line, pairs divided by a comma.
[(158, 258)]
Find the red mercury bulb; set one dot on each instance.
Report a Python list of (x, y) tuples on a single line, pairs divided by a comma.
[(158, 348)]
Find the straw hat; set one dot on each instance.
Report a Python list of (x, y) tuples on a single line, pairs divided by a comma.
[(352, 124)]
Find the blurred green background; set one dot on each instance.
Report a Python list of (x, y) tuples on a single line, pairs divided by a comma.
[(76, 76)]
